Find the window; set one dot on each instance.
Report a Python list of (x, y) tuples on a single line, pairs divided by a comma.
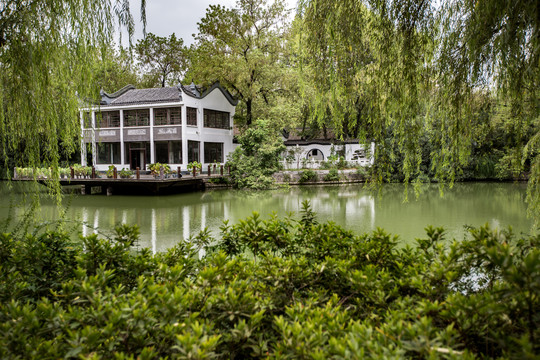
[(108, 153), (213, 152), (359, 154), (315, 154), (191, 116), (168, 152), (162, 152), (139, 117), (216, 119), (167, 116), (193, 151), (106, 119), (176, 150)]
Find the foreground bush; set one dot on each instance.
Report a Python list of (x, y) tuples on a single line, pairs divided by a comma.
[(276, 288)]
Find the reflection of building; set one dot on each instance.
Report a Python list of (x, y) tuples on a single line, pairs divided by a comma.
[(175, 125)]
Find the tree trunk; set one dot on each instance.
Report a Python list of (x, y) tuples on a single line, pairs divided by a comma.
[(248, 112)]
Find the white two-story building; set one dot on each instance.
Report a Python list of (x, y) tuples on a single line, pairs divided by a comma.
[(173, 125)]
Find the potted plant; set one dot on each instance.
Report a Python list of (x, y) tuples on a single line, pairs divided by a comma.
[(63, 172), (110, 172), (125, 174), (154, 169), (194, 165)]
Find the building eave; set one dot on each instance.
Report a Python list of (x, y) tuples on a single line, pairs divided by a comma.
[(133, 106), (216, 85)]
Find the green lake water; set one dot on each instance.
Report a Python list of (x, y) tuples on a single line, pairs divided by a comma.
[(164, 220)]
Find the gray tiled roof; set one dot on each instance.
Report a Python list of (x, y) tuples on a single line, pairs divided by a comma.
[(147, 96), (129, 95)]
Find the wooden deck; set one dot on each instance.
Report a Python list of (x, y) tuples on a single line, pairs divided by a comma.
[(145, 185)]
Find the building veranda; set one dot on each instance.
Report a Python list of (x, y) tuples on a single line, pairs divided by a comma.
[(178, 125)]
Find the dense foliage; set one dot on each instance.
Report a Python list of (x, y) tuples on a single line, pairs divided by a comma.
[(276, 288), (243, 48), (163, 60), (254, 162)]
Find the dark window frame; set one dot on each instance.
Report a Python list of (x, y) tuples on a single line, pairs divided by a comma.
[(216, 119), (108, 119), (112, 151), (173, 116), (191, 116), (136, 117), (213, 152)]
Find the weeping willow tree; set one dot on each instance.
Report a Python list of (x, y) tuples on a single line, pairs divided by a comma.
[(492, 45), (371, 62), (409, 69), (47, 54)]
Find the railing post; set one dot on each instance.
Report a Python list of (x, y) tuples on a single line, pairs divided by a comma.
[(138, 172), (14, 172), (72, 172), (221, 170), (161, 173), (179, 173), (229, 169), (209, 170), (194, 171), (115, 173), (93, 172)]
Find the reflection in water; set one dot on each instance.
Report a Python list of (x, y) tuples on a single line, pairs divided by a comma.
[(185, 216), (84, 221), (165, 220), (96, 221), (154, 231)]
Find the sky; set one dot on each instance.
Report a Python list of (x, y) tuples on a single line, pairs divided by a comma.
[(164, 17)]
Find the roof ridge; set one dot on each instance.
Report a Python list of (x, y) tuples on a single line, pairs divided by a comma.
[(119, 92)]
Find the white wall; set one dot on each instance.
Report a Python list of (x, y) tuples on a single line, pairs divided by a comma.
[(213, 101)]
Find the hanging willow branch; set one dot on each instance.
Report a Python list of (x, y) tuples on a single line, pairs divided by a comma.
[(413, 69), (47, 48)]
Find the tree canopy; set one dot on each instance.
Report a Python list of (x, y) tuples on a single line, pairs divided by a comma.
[(162, 59), (242, 47)]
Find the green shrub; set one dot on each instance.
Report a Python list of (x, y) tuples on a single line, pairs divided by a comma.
[(219, 180), (307, 176), (254, 162), (271, 288), (333, 175)]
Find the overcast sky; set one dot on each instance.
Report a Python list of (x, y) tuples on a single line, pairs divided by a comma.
[(164, 17)]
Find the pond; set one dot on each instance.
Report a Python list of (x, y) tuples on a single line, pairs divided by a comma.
[(164, 220)]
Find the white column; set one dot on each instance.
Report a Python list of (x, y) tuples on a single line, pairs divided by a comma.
[(94, 149), (83, 144), (200, 125), (152, 155), (184, 138), (122, 150)]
